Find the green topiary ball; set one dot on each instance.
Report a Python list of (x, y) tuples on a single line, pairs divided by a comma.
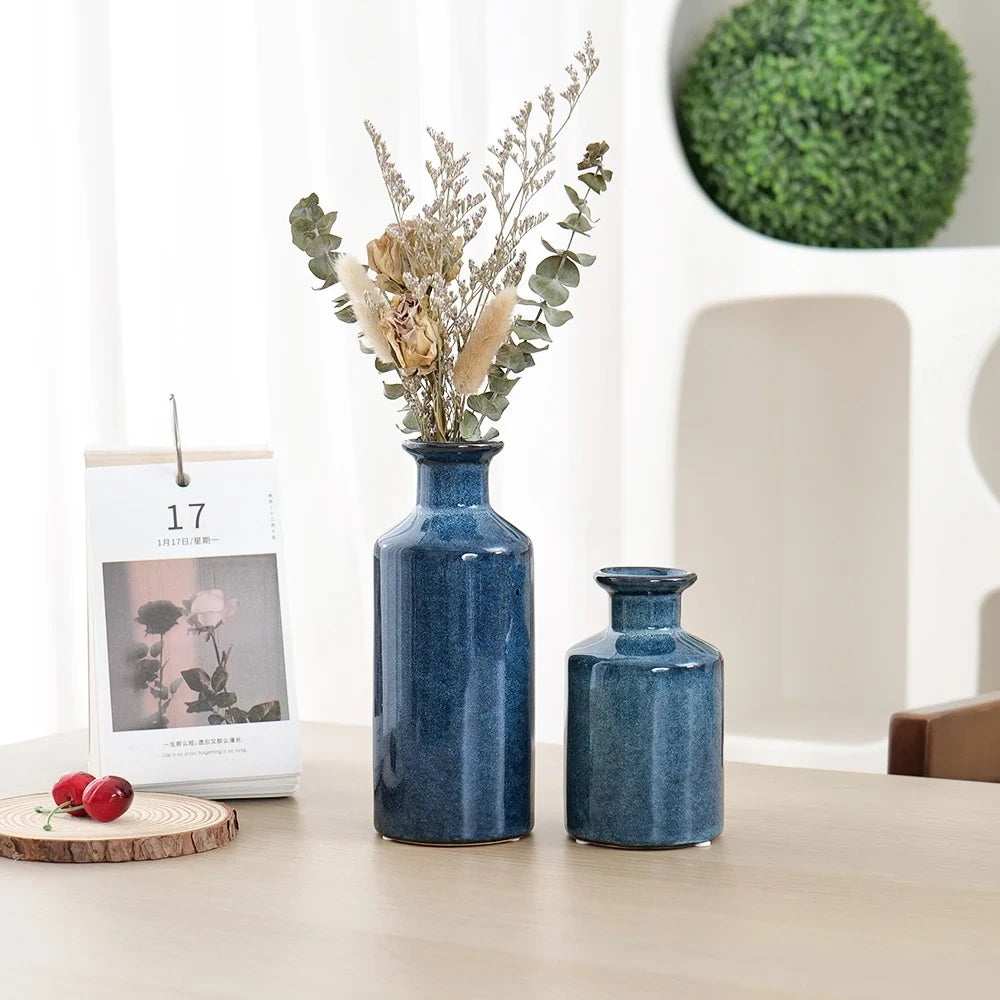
[(838, 123)]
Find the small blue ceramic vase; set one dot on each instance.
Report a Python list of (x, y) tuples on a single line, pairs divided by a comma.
[(453, 660), (644, 723)]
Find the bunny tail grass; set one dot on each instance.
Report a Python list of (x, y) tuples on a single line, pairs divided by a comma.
[(364, 295), (486, 339)]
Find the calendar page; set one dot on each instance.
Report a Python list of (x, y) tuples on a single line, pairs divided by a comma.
[(191, 678)]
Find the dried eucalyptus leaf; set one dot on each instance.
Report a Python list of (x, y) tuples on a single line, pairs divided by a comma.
[(323, 245), (410, 422), (512, 358), (554, 292), (491, 434), (548, 266), (392, 390), (551, 249), (557, 317), (384, 366), (529, 302), (322, 267), (491, 404), (529, 348), (573, 197), (578, 223), (532, 330), (303, 233), (346, 315), (306, 208), (501, 385), (561, 268), (595, 182), (583, 259), (480, 403), (469, 426), (323, 224)]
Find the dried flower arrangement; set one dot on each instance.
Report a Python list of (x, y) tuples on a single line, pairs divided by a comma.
[(444, 329)]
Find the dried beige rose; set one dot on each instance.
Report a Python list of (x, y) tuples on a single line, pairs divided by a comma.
[(389, 256), (413, 335)]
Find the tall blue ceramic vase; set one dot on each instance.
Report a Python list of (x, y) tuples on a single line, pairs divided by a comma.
[(453, 660), (644, 722)]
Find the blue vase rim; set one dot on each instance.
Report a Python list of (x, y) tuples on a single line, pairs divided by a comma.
[(644, 579), (453, 451)]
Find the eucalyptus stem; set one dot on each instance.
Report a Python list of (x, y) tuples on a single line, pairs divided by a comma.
[(563, 255)]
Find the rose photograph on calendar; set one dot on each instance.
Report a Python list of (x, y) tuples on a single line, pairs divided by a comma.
[(194, 642)]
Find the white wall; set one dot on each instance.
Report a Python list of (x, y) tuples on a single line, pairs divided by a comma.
[(949, 300), (792, 501)]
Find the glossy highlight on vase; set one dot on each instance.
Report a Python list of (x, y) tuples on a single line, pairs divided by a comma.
[(644, 721), (453, 721)]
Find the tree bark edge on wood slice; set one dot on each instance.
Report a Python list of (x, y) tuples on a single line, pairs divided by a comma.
[(157, 826)]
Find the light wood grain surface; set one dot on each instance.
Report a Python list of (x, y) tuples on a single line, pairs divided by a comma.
[(823, 885)]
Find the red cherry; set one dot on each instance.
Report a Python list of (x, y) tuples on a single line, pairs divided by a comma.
[(67, 792), (107, 798)]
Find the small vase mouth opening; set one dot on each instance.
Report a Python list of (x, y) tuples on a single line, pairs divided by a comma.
[(644, 579), (453, 451)]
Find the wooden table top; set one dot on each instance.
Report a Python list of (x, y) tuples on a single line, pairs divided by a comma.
[(823, 885)]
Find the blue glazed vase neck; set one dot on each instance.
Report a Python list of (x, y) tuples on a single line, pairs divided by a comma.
[(452, 485), (452, 475), (644, 597), (633, 612)]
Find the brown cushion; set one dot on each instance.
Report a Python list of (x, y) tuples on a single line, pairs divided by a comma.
[(958, 740)]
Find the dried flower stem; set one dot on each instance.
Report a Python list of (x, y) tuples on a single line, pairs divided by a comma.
[(514, 147), (400, 196)]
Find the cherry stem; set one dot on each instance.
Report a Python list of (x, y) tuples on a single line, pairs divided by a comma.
[(65, 807)]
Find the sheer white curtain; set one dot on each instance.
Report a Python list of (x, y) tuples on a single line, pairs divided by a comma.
[(153, 154)]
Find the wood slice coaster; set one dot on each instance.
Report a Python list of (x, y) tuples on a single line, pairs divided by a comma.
[(156, 826)]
